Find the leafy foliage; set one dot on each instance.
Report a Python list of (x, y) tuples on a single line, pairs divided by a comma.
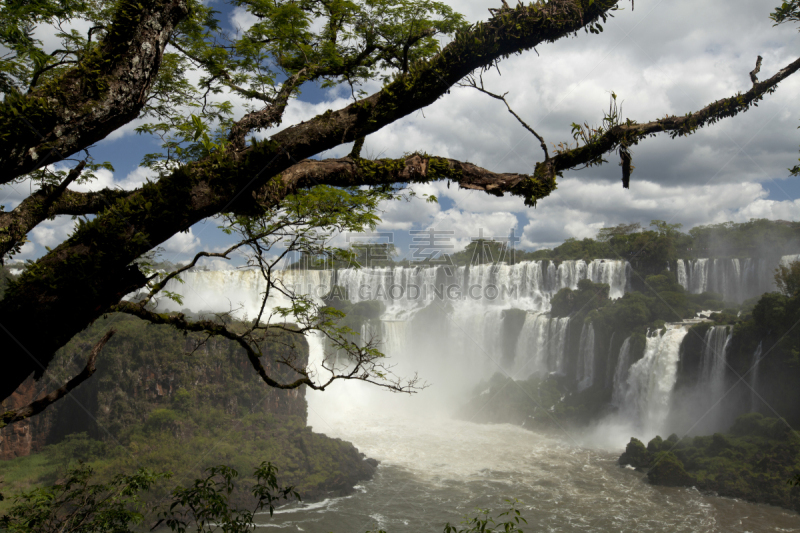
[(665, 242), (508, 521), (77, 505), (205, 505)]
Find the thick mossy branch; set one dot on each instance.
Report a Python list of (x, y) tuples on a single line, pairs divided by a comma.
[(47, 203), (105, 91), (414, 168)]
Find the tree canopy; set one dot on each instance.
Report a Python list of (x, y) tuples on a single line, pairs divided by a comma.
[(135, 61)]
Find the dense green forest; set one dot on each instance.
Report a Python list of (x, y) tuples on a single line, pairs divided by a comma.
[(660, 243)]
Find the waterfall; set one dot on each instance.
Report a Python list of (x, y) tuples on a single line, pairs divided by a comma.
[(527, 285), (714, 360), (735, 279), (570, 273), (621, 374), (648, 390), (609, 368), (754, 377), (460, 337), (705, 407), (682, 280), (613, 273), (540, 347), (394, 336), (697, 276), (399, 288), (316, 356), (585, 375)]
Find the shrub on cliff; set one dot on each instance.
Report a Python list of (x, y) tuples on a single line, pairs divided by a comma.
[(587, 297)]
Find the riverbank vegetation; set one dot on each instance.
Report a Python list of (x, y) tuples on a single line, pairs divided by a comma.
[(756, 461)]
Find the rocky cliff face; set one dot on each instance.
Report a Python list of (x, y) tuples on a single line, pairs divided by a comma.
[(176, 404), (141, 369), (27, 436)]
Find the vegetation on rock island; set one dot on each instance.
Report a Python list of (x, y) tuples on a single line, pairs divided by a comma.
[(757, 460)]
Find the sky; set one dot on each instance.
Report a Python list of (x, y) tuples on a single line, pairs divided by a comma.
[(661, 58)]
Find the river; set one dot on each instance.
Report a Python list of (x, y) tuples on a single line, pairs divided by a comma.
[(435, 469)]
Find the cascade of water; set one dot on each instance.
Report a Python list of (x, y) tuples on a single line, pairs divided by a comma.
[(711, 382), (526, 285), (735, 279), (316, 357), (682, 280), (570, 273), (474, 297), (787, 260), (621, 374), (609, 368), (540, 347), (754, 377), (241, 292), (698, 275), (651, 379), (552, 275), (558, 354), (585, 374), (393, 335), (613, 273), (713, 362), (473, 341)]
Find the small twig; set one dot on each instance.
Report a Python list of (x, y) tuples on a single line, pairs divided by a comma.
[(473, 84), (37, 406), (755, 71)]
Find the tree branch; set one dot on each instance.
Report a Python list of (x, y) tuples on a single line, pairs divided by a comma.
[(415, 168), (267, 117), (212, 328), (473, 84), (223, 75), (105, 91), (631, 132), (47, 203), (36, 407)]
